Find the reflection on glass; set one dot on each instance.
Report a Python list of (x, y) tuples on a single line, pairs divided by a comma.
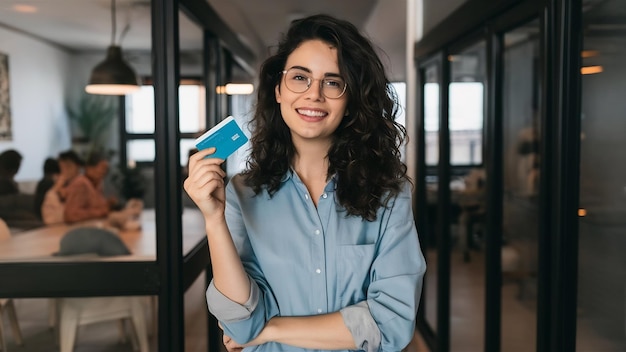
[(521, 175), (467, 185), (601, 324), (431, 124)]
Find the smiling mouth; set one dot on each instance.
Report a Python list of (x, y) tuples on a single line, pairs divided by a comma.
[(311, 113)]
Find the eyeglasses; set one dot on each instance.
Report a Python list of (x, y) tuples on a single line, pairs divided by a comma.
[(299, 81)]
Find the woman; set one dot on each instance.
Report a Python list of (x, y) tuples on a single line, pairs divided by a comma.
[(314, 246), (53, 206)]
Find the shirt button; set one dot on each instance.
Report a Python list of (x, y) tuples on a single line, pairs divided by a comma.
[(317, 232), (319, 310), (306, 196), (324, 195), (318, 271)]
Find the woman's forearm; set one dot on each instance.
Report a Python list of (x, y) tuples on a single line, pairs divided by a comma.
[(325, 332), (229, 276)]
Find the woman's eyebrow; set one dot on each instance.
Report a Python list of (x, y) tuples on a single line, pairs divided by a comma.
[(301, 68), (309, 71)]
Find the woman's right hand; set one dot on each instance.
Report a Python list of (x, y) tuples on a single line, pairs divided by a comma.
[(205, 183)]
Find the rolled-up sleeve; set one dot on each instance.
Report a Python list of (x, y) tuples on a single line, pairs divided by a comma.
[(362, 326), (227, 310), (397, 273)]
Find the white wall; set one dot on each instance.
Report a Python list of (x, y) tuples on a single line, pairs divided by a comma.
[(37, 77), (43, 79)]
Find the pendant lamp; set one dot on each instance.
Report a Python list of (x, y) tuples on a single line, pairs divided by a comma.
[(113, 76)]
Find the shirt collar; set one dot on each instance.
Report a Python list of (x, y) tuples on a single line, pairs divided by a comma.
[(330, 186)]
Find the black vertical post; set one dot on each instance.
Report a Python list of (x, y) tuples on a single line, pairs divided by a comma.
[(548, 96), (211, 57), (228, 78), (165, 64), (443, 213), (123, 158), (494, 168), (566, 173), (218, 51), (209, 74)]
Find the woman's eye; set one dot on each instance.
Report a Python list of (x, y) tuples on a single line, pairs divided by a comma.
[(299, 78)]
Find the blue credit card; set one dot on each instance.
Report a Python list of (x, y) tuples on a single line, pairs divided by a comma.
[(226, 137)]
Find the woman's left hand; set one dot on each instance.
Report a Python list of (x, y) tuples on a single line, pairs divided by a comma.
[(231, 345)]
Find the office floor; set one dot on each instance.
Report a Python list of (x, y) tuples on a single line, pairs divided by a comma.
[(518, 310), (105, 336)]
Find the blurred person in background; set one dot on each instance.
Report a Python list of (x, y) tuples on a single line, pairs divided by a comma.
[(51, 172), (84, 196), (10, 162)]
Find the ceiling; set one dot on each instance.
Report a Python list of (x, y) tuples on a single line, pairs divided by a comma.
[(86, 25)]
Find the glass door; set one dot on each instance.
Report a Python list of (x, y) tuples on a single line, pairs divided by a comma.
[(601, 306), (521, 110), (467, 197)]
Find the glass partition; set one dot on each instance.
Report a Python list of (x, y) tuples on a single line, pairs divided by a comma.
[(601, 324), (431, 90), (521, 137), (467, 191), (73, 119)]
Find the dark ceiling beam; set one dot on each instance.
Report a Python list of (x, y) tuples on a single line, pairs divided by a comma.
[(463, 20), (204, 15)]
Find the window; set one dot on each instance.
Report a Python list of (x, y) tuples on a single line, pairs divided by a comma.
[(465, 119), (140, 146)]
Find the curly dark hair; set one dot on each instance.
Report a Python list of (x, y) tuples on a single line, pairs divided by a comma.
[(365, 152)]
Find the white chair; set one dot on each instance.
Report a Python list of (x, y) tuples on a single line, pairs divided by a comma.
[(7, 304), (74, 312)]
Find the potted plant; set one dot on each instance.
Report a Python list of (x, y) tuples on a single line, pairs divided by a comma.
[(91, 118)]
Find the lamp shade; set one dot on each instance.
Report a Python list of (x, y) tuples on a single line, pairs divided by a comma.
[(113, 76)]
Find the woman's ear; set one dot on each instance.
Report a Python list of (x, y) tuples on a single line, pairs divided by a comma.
[(277, 93)]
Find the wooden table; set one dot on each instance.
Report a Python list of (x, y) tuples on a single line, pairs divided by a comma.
[(37, 245), (28, 268)]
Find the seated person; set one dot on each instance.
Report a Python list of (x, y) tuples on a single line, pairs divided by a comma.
[(10, 162), (84, 196), (53, 206), (51, 173)]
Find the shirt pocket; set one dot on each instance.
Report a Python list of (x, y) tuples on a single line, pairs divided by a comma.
[(353, 271)]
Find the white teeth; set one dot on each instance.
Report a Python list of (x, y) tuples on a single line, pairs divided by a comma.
[(313, 113)]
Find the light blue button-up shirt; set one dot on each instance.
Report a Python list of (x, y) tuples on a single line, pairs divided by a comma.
[(304, 260)]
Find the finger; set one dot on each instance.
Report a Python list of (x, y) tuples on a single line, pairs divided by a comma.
[(200, 165), (201, 174), (201, 154), (205, 191), (202, 180), (204, 154)]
